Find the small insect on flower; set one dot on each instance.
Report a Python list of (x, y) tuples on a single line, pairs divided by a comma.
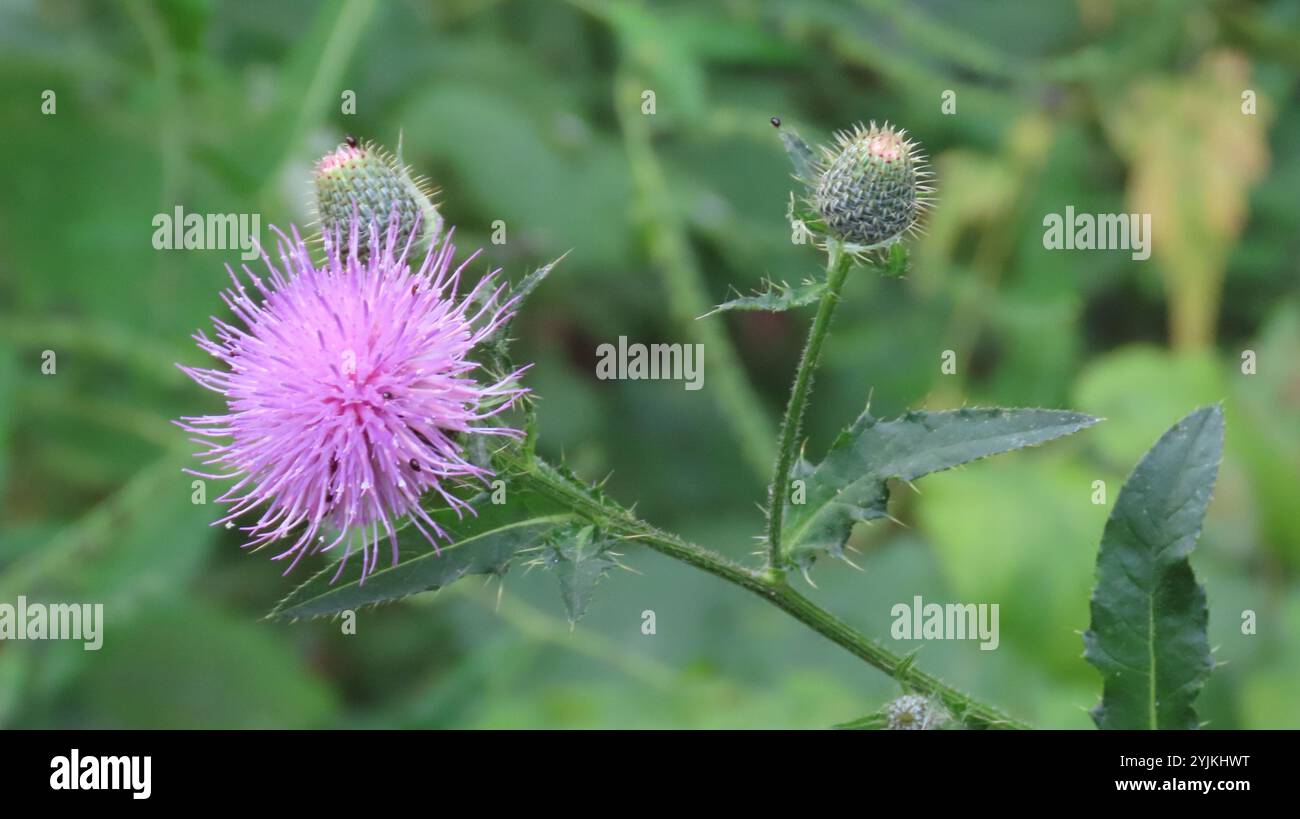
[(346, 388)]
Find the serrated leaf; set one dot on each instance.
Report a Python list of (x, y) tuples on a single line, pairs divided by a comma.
[(497, 346), (1148, 632), (525, 286), (850, 485), (580, 556), (776, 298), (481, 544)]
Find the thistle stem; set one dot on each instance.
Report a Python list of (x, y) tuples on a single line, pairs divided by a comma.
[(837, 268), (546, 479)]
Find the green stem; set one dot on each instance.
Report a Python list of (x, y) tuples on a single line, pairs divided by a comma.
[(548, 480), (837, 268)]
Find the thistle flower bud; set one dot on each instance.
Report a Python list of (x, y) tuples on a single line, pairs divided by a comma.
[(871, 186), (913, 712), (366, 180)]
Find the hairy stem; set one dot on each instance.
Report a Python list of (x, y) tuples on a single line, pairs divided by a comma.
[(544, 478), (837, 268)]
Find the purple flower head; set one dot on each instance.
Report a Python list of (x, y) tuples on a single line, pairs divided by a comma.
[(347, 388)]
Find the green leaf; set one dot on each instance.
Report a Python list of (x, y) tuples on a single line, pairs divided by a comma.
[(525, 286), (580, 556), (850, 484), (1148, 633), (480, 544), (777, 297), (496, 347)]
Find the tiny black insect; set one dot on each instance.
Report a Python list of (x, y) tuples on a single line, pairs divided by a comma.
[(776, 122), (350, 140), (415, 465), (388, 396)]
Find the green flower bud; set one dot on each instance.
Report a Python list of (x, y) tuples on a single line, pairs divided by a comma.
[(871, 186), (374, 183)]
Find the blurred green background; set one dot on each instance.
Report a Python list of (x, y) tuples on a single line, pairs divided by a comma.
[(530, 112)]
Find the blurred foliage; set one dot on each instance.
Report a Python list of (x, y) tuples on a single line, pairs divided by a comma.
[(529, 112)]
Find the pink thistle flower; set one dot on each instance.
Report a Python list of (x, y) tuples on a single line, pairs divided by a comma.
[(346, 387)]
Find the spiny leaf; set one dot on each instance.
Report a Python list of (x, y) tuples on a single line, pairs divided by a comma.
[(496, 347), (1149, 616), (480, 544), (776, 298), (580, 556), (525, 286), (850, 484)]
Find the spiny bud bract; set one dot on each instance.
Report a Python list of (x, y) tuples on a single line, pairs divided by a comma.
[(366, 180)]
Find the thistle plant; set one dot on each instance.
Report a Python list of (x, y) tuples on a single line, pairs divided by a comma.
[(363, 392)]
